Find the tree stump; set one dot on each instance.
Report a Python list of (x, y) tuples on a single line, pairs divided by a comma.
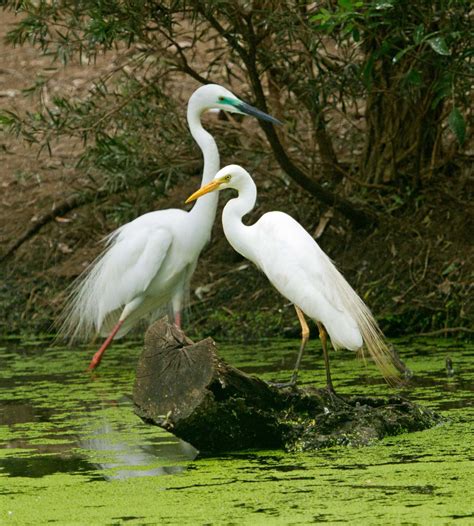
[(188, 390)]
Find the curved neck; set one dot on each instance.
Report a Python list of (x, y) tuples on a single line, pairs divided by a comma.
[(206, 206), (238, 234)]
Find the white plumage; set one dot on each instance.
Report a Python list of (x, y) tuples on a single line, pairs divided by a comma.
[(148, 263), (298, 268)]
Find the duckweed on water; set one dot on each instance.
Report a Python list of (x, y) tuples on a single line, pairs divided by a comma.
[(73, 452)]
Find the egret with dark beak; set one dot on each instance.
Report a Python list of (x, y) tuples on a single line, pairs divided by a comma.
[(147, 264)]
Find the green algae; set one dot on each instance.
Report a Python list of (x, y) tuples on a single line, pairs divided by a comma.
[(73, 452)]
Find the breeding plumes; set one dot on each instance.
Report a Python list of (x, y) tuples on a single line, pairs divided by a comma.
[(148, 263), (298, 268)]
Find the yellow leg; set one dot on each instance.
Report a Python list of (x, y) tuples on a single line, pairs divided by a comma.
[(323, 336), (304, 340)]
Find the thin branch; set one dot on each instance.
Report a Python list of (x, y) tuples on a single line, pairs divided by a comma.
[(184, 66), (234, 44), (361, 183), (359, 217), (70, 203), (445, 330), (113, 110)]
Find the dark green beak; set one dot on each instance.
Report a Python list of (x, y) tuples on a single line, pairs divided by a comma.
[(254, 112)]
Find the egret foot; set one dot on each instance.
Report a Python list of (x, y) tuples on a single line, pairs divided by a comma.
[(333, 400)]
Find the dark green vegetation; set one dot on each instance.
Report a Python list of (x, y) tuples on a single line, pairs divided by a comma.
[(375, 153), (73, 452)]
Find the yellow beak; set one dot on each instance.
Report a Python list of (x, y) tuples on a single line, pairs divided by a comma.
[(210, 187)]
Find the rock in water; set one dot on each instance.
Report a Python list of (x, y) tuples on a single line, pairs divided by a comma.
[(185, 388)]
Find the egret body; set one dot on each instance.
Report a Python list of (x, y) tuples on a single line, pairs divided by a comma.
[(148, 263), (297, 267)]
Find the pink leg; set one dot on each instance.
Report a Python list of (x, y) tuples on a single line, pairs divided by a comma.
[(177, 319), (98, 355)]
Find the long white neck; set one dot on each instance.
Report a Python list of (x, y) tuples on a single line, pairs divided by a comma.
[(204, 211), (239, 235)]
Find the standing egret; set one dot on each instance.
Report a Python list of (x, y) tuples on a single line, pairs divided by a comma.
[(298, 268), (148, 262)]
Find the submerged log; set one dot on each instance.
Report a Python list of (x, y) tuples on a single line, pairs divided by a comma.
[(187, 389)]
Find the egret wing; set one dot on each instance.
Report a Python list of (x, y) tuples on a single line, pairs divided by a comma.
[(298, 268), (131, 260), (131, 264), (293, 261), (303, 273)]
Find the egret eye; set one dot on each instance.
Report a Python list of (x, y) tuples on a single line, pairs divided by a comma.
[(227, 178), (221, 98)]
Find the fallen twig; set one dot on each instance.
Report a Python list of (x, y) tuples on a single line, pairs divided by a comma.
[(446, 329), (70, 203)]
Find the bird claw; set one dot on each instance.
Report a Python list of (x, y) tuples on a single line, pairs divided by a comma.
[(333, 397), (291, 383)]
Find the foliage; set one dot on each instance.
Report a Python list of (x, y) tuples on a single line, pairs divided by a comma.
[(418, 57), (401, 68)]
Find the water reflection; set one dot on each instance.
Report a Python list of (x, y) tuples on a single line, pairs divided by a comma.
[(102, 448), (124, 458), (55, 419)]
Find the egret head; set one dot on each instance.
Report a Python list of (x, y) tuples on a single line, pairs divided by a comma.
[(215, 97), (231, 176)]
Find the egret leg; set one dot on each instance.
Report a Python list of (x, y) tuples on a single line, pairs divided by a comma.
[(176, 306), (128, 309), (324, 338), (304, 341), (98, 355)]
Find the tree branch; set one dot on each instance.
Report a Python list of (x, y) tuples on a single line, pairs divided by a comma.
[(184, 66), (359, 217), (70, 203)]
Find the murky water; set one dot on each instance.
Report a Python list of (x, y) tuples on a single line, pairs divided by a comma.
[(73, 452)]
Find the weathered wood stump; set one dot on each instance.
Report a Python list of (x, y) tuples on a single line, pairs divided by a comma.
[(185, 388)]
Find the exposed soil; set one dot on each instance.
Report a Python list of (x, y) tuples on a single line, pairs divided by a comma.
[(415, 270)]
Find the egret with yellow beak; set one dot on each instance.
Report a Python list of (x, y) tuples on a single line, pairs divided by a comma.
[(297, 267)]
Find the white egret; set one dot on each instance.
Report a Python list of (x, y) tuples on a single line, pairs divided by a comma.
[(298, 268), (148, 263)]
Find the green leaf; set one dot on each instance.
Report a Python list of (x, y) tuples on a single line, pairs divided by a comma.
[(419, 33), (449, 269), (413, 77), (345, 4), (443, 88), (438, 44), (324, 15), (457, 124), (384, 4), (367, 70), (7, 118)]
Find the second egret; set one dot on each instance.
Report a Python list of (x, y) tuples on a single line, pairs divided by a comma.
[(298, 268)]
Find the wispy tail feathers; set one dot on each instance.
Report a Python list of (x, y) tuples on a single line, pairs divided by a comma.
[(371, 334)]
